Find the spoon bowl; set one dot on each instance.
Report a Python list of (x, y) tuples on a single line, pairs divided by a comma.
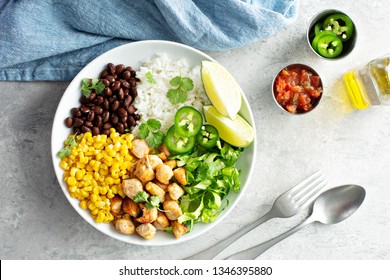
[(337, 204), (330, 207)]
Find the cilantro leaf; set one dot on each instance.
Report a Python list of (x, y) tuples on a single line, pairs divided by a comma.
[(150, 130), (67, 151), (153, 202), (187, 84), (150, 202), (64, 152), (141, 197), (156, 139), (89, 85), (177, 96), (181, 85), (150, 78), (71, 142)]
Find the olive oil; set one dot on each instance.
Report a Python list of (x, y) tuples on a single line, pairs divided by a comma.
[(369, 85)]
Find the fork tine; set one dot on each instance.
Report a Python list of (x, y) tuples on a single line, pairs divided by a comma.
[(311, 195), (302, 185)]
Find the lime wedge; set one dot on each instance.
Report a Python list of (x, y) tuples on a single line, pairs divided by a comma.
[(221, 88), (237, 132)]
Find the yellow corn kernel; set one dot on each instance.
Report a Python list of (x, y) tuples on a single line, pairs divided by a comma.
[(83, 204), (64, 165), (71, 181), (80, 174), (88, 177), (95, 211), (72, 189), (109, 181)]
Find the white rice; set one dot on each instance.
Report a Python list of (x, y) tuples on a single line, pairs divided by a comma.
[(152, 101)]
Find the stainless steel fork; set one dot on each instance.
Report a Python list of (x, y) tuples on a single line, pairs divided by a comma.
[(286, 205)]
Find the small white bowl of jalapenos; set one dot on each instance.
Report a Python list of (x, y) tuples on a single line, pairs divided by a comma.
[(331, 34)]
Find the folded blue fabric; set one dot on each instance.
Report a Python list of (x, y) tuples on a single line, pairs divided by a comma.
[(54, 39)]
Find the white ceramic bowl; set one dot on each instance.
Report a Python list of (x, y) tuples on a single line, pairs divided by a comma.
[(134, 54)]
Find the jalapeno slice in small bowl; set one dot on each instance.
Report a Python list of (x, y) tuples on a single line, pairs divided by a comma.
[(340, 24), (208, 136), (329, 46), (188, 121)]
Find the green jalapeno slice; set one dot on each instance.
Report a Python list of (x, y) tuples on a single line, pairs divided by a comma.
[(188, 121), (329, 46), (340, 24)]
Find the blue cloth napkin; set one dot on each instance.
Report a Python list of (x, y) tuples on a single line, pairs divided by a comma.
[(55, 39)]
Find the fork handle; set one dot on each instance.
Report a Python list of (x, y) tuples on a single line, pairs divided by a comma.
[(254, 252), (213, 251)]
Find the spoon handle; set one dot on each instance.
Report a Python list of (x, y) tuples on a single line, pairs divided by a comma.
[(213, 251), (254, 252)]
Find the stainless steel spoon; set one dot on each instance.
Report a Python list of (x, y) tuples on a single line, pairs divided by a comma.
[(331, 207)]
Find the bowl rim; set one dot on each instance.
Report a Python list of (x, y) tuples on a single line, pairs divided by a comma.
[(321, 14), (303, 66)]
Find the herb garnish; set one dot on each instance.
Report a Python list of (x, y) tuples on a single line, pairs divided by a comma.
[(87, 85), (152, 202), (182, 86), (150, 78), (150, 130), (67, 150)]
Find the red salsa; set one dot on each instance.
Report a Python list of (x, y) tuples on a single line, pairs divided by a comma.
[(297, 89)]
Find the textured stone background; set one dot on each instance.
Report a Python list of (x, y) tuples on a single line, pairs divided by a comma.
[(37, 221)]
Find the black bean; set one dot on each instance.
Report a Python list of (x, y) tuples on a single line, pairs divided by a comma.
[(77, 122), (108, 91), (125, 84), (88, 124), (127, 101), (111, 68), (107, 126), (98, 121), (99, 100), (133, 82), (106, 116), (68, 122), (106, 132), (119, 68), (114, 119), (91, 116), (106, 104), (131, 121), (105, 82), (85, 109), (103, 74), (134, 92), (122, 112), (120, 128), (85, 129), (95, 131), (110, 79), (92, 96), (131, 109), (115, 85), (121, 94), (126, 75), (115, 105), (76, 112), (98, 110), (83, 100)]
